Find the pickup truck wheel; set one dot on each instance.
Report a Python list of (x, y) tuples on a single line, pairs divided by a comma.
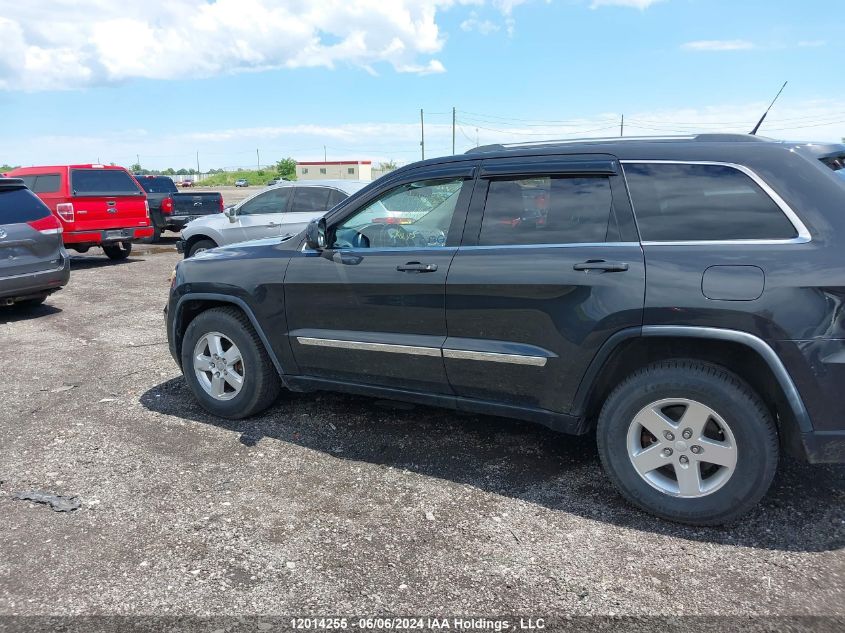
[(199, 246), (226, 365), (688, 441), (117, 250)]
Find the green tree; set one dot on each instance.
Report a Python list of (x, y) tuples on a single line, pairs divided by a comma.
[(388, 165), (169, 172), (135, 168), (286, 168), (4, 167)]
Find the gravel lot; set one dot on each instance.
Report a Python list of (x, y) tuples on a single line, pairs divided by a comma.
[(338, 504)]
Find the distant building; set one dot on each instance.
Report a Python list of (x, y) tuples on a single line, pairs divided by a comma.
[(335, 170)]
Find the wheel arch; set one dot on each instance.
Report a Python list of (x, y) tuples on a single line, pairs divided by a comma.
[(193, 239), (190, 306), (746, 355)]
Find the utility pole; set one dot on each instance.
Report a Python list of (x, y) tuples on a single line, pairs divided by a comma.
[(138, 159), (454, 117), (198, 163), (622, 126), (422, 134), (258, 160), (476, 137), (325, 155)]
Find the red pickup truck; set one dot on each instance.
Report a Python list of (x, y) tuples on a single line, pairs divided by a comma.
[(98, 205)]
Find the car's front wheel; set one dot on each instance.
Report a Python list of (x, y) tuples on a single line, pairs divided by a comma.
[(199, 246), (688, 441), (226, 365)]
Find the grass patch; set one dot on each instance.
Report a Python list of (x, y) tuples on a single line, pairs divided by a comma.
[(255, 178)]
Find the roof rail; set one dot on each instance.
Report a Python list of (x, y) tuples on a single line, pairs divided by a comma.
[(711, 137)]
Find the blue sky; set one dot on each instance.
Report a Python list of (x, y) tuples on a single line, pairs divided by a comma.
[(170, 80)]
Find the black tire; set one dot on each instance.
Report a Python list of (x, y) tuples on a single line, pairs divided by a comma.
[(750, 422), (261, 383), (156, 236), (199, 246), (117, 250)]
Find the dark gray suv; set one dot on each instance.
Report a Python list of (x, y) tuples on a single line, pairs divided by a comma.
[(33, 261), (682, 299)]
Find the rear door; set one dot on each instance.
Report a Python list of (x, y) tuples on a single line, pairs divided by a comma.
[(260, 216), (106, 198), (25, 246), (549, 268)]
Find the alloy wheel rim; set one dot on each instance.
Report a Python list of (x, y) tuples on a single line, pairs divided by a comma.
[(681, 447), (218, 366)]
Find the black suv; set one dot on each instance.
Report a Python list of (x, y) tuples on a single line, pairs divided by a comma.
[(682, 298)]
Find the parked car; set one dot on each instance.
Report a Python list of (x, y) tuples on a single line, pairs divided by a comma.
[(285, 208), (171, 210), (97, 205), (682, 299), (273, 181), (186, 183), (33, 261), (242, 182)]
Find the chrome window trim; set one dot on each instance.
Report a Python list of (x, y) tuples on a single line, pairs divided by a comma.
[(803, 236), (369, 347), (414, 350), (495, 357), (539, 246)]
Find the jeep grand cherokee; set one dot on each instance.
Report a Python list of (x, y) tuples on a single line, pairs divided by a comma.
[(681, 298)]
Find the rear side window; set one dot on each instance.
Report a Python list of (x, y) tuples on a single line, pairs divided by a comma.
[(158, 184), (679, 203), (310, 200), (20, 205), (547, 210), (42, 183), (336, 197), (99, 182)]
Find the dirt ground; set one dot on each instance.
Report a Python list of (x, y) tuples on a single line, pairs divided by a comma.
[(334, 504)]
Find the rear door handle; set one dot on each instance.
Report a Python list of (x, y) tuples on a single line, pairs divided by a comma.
[(416, 267), (602, 265)]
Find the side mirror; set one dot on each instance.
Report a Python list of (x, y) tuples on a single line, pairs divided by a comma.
[(315, 235), (229, 212)]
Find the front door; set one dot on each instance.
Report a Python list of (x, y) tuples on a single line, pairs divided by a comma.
[(550, 267), (371, 308), (260, 216)]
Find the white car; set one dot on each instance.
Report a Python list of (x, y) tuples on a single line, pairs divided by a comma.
[(279, 210)]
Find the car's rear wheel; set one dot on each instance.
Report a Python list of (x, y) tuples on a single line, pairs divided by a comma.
[(688, 441), (117, 250), (199, 246), (226, 365)]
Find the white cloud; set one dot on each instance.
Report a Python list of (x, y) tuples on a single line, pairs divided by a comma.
[(812, 44), (718, 45), (474, 23), (633, 4), (78, 43)]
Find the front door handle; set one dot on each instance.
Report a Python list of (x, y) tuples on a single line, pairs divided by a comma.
[(416, 267), (602, 265)]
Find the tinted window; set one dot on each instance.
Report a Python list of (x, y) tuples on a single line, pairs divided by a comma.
[(702, 202), (20, 205), (273, 201), (157, 184), (546, 210), (42, 183), (336, 197), (416, 215), (311, 200), (102, 182)]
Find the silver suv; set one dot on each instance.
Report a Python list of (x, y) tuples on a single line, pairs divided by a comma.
[(33, 261), (282, 209)]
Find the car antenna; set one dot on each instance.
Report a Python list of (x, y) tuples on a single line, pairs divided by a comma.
[(763, 118)]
